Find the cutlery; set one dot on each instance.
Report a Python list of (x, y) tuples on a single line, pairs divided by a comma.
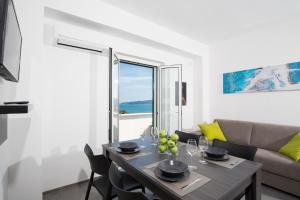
[(190, 184)]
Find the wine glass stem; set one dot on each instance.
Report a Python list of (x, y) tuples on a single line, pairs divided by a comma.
[(202, 155)]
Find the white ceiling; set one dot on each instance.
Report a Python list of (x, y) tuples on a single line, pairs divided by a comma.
[(211, 21)]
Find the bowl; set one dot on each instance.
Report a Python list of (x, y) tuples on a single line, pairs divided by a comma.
[(216, 152), (172, 168), (128, 146)]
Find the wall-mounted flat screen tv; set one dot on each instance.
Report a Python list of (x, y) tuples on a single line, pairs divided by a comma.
[(10, 42)]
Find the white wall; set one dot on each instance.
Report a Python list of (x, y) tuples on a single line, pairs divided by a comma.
[(3, 171), (273, 45), (75, 113), (107, 15), (20, 176), (76, 101)]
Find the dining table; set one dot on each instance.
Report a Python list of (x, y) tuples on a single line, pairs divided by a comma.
[(221, 182)]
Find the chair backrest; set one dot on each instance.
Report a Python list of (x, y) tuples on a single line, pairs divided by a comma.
[(184, 137), (99, 164), (241, 151), (115, 178)]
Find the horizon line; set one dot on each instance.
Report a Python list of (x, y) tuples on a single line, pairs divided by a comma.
[(135, 101)]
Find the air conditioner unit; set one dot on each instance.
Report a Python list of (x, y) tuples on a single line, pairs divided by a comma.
[(80, 44)]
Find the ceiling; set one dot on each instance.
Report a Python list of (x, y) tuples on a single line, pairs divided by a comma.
[(211, 21)]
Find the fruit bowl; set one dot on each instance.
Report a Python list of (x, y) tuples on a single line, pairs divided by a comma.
[(168, 142)]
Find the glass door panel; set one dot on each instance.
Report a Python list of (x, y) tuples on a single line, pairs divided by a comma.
[(114, 97), (170, 93)]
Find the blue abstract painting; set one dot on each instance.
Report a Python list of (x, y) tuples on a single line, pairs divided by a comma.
[(272, 78)]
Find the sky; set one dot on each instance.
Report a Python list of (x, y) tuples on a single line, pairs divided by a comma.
[(135, 83)]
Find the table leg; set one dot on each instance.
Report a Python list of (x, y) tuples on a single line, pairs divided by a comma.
[(109, 191), (109, 188), (253, 192)]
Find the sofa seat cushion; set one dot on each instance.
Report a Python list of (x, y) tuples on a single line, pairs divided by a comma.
[(278, 164)]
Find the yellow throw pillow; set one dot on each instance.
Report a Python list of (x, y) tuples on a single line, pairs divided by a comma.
[(292, 148), (212, 131)]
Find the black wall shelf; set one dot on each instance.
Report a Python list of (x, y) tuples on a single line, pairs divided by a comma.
[(10, 109), (14, 109)]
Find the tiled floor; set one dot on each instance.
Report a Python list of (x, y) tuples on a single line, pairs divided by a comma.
[(272, 194), (77, 192), (73, 192)]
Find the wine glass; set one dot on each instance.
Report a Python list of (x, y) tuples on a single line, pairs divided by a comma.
[(155, 135), (192, 149), (203, 145)]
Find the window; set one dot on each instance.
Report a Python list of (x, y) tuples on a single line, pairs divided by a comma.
[(136, 88)]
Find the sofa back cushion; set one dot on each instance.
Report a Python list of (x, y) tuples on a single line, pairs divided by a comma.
[(272, 137), (238, 132)]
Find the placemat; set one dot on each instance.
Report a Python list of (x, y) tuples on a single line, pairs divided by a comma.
[(132, 156), (182, 187), (136, 155), (230, 163)]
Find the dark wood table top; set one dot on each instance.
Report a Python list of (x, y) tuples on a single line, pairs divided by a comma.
[(225, 183)]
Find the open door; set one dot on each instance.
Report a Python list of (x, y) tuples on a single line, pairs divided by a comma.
[(114, 68), (170, 95)]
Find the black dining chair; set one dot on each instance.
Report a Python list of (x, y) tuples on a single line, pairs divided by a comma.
[(117, 180), (241, 151), (184, 137), (100, 165)]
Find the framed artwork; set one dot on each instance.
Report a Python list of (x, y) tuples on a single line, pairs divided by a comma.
[(183, 93), (267, 79)]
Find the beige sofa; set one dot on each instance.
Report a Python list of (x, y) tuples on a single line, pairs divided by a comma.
[(279, 171)]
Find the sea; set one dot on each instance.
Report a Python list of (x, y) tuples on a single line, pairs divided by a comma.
[(137, 107)]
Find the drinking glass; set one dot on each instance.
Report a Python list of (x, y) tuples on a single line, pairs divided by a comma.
[(192, 149), (142, 141), (155, 135), (203, 145)]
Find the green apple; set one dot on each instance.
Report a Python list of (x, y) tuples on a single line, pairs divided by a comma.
[(163, 141), (162, 133), (174, 137), (171, 143), (162, 148), (174, 150)]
